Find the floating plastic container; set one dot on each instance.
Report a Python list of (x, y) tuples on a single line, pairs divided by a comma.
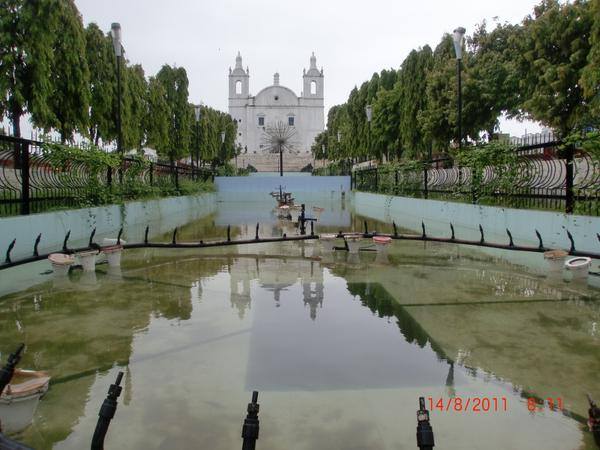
[(382, 243), (113, 254), (61, 263), (283, 211), (327, 242), (555, 259), (20, 398), (295, 212), (317, 211), (579, 267), (87, 260), (353, 241), (107, 242)]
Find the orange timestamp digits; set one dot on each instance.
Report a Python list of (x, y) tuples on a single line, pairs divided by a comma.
[(468, 404), (534, 404)]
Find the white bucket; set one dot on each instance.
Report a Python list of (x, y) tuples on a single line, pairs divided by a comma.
[(353, 241), (579, 267), (295, 213), (113, 254), (317, 212), (283, 211), (382, 243), (87, 260), (327, 242), (61, 263), (17, 407), (555, 260), (108, 242)]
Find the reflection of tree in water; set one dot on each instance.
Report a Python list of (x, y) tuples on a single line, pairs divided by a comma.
[(377, 299)]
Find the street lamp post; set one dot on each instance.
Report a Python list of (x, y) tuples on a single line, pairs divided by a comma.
[(280, 143), (115, 29), (223, 145), (369, 113), (198, 115), (458, 38)]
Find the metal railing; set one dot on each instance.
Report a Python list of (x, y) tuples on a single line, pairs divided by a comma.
[(30, 183), (543, 178)]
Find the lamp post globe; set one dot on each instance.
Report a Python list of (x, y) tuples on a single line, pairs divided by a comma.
[(458, 37)]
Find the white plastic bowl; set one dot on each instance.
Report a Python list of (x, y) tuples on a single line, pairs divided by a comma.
[(317, 211), (61, 263), (87, 259), (113, 254), (295, 213), (555, 260), (353, 241), (382, 243), (327, 242), (579, 267), (107, 242)]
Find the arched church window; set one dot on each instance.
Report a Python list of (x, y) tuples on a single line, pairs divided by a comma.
[(291, 121), (261, 121), (313, 87), (238, 87)]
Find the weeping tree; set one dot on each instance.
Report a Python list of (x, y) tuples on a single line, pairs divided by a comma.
[(279, 138), (26, 36), (101, 63), (70, 77)]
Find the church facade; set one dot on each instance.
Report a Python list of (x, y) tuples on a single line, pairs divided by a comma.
[(273, 104)]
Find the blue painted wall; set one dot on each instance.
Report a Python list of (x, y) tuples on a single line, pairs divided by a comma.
[(437, 215)]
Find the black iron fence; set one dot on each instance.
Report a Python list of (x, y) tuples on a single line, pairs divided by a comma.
[(543, 176), (31, 182)]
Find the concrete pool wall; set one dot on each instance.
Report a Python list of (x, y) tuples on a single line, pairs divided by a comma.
[(466, 218), (161, 215)]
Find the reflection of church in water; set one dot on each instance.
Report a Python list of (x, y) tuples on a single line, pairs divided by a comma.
[(276, 275)]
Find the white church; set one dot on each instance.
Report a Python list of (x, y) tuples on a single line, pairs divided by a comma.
[(276, 103)]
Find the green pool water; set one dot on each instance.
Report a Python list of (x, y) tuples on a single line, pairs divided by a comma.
[(340, 346)]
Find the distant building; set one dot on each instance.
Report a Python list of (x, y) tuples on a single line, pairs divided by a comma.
[(276, 103)]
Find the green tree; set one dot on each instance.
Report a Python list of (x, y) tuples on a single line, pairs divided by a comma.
[(439, 119), (555, 48), (175, 84), (26, 35), (591, 74), (135, 107), (492, 87), (157, 118), (102, 66), (412, 96), (70, 77)]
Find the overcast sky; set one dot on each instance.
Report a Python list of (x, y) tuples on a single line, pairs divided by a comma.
[(351, 39)]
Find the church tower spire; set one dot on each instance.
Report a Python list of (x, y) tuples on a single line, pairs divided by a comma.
[(239, 80), (313, 80)]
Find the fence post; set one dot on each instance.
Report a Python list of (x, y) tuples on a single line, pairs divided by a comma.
[(569, 195), (25, 178), (377, 179), (151, 173)]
